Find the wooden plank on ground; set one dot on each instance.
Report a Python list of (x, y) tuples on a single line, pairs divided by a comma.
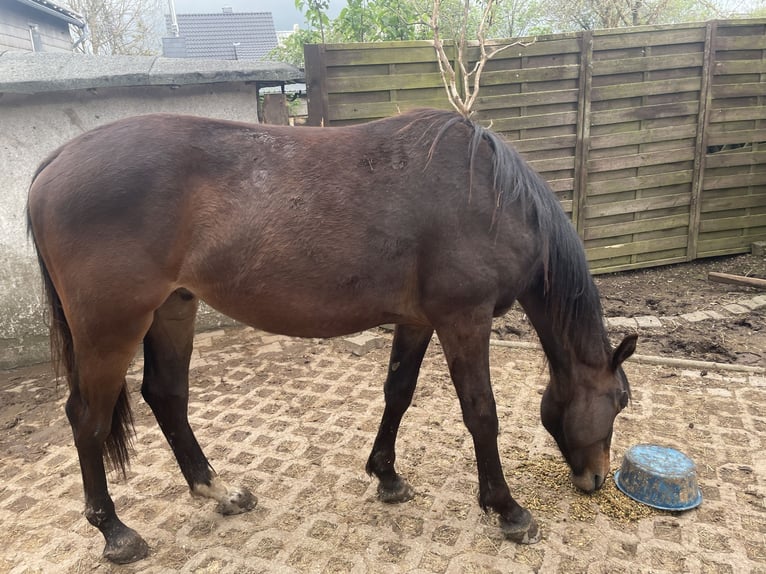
[(740, 280)]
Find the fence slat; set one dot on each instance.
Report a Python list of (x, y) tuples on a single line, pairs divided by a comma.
[(645, 88), (636, 205), (643, 64)]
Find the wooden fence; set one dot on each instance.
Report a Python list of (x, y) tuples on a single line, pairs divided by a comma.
[(654, 138)]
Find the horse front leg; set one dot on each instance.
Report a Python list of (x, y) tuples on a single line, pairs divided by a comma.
[(167, 353), (407, 351), (465, 341)]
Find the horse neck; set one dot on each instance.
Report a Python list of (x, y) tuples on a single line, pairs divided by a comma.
[(570, 338)]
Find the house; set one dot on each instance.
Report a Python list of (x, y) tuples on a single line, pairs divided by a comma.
[(38, 26), (227, 35)]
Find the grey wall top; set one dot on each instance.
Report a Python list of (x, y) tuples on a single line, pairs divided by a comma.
[(31, 73)]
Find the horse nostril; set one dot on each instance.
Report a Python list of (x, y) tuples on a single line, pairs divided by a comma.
[(598, 481)]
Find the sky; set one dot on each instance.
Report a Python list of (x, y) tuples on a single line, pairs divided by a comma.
[(284, 12)]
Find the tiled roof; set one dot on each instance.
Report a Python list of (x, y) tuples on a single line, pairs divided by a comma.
[(223, 36)]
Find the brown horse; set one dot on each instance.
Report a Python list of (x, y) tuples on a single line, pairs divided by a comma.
[(425, 220)]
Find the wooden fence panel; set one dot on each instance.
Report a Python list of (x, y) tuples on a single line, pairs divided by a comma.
[(351, 83), (733, 201), (643, 133), (653, 138)]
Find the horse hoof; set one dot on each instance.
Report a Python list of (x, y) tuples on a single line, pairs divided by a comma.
[(126, 548), (400, 491), (237, 501), (524, 531)]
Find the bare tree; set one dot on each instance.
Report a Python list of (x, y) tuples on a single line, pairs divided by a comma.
[(121, 26), (463, 91)]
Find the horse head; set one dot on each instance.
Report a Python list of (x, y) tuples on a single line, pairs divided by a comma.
[(579, 413)]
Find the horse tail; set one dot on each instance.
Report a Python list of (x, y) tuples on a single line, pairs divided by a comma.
[(118, 443)]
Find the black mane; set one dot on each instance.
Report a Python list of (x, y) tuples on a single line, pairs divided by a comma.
[(571, 297)]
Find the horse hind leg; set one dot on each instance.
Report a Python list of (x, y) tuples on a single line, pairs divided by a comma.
[(99, 413), (167, 353), (407, 351)]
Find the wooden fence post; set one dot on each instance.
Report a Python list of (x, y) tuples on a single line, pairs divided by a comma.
[(316, 84), (582, 146), (700, 148)]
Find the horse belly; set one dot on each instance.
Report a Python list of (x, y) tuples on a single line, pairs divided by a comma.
[(308, 308)]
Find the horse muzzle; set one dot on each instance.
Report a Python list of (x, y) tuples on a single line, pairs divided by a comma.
[(588, 481)]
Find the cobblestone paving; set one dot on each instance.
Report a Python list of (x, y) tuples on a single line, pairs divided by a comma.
[(294, 420)]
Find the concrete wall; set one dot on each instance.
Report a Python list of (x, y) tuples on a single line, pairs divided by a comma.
[(34, 124)]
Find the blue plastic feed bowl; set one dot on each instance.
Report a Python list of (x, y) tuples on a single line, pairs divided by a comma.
[(660, 477)]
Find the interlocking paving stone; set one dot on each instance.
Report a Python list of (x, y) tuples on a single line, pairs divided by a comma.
[(648, 322), (695, 317), (295, 424), (736, 309), (628, 322)]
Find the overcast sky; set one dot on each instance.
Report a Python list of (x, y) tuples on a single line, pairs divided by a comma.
[(284, 12)]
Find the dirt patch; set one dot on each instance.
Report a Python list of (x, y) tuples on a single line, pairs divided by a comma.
[(670, 293)]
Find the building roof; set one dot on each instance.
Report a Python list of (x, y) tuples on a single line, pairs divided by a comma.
[(221, 36), (55, 10)]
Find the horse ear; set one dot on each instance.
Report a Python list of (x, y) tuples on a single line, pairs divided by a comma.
[(624, 350)]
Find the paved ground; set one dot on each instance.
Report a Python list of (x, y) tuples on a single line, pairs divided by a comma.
[(294, 421)]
